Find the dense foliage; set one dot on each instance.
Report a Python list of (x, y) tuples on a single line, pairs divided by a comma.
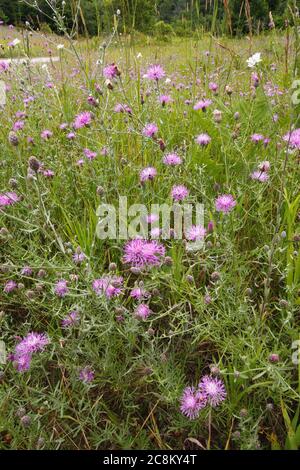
[(130, 343), (96, 16)]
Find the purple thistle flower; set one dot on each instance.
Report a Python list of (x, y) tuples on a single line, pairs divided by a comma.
[(8, 199), (293, 138), (138, 293), (165, 99), (18, 125), (203, 105), (4, 66), (111, 71), (48, 173), (214, 389), (141, 253), (172, 159), (22, 362), (179, 192), (257, 138), (259, 175), (264, 166), (111, 286), (46, 134), (192, 401), (89, 154), (92, 101), (155, 72), (72, 319), (151, 218), (86, 375), (150, 130), (142, 311), (10, 286), (78, 256), (71, 136), (148, 174), (213, 87), (82, 120), (26, 271), (225, 203), (33, 342), (196, 232), (61, 288), (203, 139), (122, 108)]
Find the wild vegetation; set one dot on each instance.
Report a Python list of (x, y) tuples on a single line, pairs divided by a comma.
[(141, 343)]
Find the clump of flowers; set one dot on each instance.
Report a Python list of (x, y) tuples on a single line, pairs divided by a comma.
[(225, 203), (32, 343), (110, 286), (210, 392), (141, 253)]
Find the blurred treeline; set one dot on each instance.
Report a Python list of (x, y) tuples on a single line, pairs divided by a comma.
[(159, 17)]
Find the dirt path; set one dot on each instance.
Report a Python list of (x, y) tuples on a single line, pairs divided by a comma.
[(35, 60)]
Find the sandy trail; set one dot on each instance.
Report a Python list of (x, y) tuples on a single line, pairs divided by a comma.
[(35, 60)]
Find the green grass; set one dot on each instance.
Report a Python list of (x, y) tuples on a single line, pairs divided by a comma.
[(142, 367)]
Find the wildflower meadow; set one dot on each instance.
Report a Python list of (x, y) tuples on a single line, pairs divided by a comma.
[(128, 321)]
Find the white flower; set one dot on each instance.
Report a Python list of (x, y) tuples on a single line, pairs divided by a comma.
[(15, 42), (139, 56), (168, 80), (60, 46), (254, 59), (118, 12)]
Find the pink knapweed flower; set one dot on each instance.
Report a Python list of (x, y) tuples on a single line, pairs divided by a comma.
[(142, 253), (192, 401), (214, 389), (225, 203), (150, 130), (155, 72), (142, 311), (179, 192), (172, 159), (82, 120), (203, 139), (111, 286), (148, 173)]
